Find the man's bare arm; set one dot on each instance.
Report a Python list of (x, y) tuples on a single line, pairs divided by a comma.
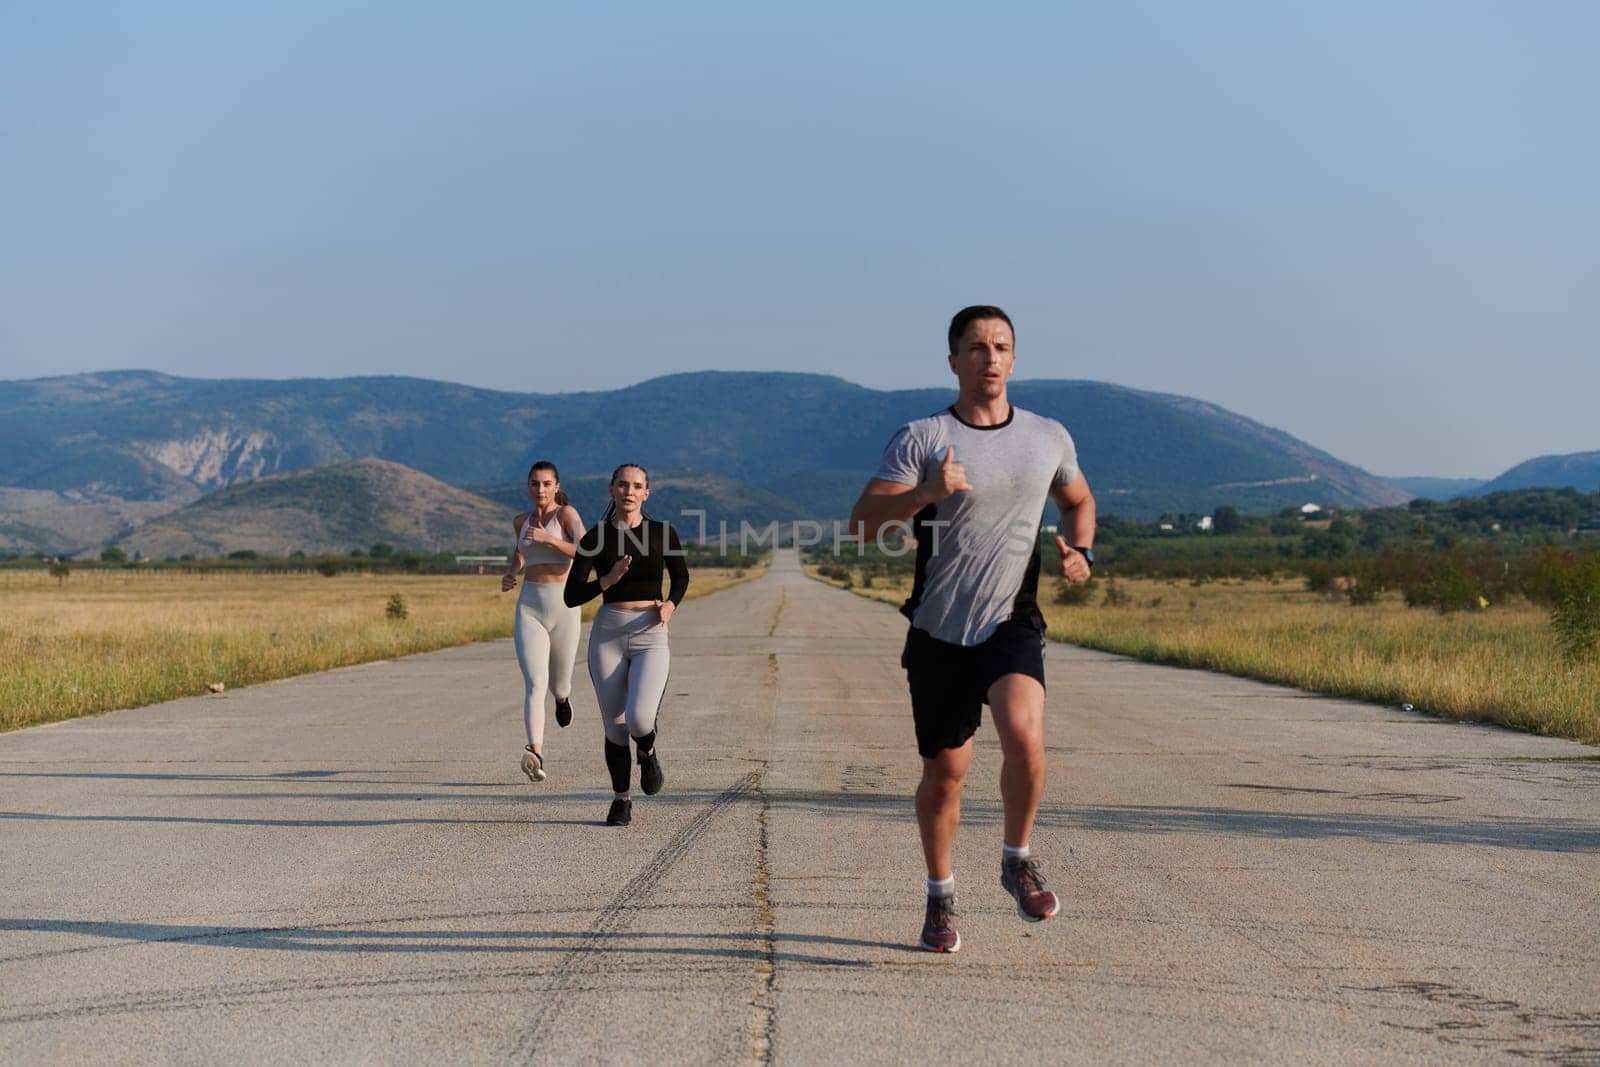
[(1076, 504), (883, 502)]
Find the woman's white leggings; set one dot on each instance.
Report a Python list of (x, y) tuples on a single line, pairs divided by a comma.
[(628, 662), (547, 645)]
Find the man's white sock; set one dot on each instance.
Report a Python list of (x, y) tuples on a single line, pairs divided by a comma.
[(1014, 852), (942, 887)]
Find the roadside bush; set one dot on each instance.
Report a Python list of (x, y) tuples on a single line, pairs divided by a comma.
[(1452, 588), (1448, 583), (1576, 616), (1470, 577), (1319, 577), (396, 609), (1116, 597), (1363, 581), (1545, 577), (1074, 595)]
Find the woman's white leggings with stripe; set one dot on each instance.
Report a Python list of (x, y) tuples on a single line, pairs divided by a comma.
[(628, 662), (547, 644)]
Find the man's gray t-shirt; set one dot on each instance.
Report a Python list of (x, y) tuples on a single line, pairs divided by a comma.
[(977, 550)]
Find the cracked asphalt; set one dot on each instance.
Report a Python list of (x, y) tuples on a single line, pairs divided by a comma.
[(348, 867)]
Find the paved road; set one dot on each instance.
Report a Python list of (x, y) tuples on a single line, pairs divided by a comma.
[(349, 867)]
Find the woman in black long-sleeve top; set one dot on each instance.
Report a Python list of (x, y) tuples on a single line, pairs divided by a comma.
[(628, 654)]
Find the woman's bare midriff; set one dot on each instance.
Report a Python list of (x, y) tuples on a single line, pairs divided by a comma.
[(633, 605), (545, 573)]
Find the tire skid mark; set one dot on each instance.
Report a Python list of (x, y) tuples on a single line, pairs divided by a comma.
[(443, 982), (567, 977), (244, 993), (583, 959), (1456, 1016)]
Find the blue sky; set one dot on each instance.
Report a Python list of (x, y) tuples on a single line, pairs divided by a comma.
[(1371, 224)]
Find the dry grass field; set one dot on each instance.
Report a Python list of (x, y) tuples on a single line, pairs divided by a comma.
[(1500, 665), (117, 639)]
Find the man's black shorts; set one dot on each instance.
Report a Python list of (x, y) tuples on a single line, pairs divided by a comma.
[(950, 683)]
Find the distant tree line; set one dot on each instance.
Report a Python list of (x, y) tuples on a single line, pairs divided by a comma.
[(1468, 555), (380, 557)]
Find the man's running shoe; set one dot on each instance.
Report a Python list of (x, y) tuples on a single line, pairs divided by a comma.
[(563, 712), (1021, 878), (621, 813), (939, 932), (650, 777), (532, 764)]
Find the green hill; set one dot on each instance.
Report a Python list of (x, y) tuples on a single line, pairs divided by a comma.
[(328, 509), (1576, 470)]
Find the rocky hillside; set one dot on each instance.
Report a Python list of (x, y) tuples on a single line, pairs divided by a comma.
[(328, 509)]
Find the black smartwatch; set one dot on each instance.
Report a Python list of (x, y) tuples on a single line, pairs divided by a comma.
[(1087, 554)]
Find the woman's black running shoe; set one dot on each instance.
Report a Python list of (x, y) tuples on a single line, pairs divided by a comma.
[(563, 712), (650, 777), (621, 813)]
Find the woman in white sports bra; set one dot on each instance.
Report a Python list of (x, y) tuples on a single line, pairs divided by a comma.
[(546, 629)]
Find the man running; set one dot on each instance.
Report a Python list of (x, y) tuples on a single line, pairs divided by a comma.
[(973, 481)]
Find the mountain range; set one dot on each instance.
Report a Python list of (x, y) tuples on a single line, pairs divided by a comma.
[(87, 459)]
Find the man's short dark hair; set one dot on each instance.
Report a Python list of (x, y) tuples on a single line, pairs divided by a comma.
[(966, 316)]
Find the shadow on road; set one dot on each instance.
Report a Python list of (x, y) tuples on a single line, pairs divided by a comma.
[(279, 776), (1536, 835), (352, 938), (190, 820)]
